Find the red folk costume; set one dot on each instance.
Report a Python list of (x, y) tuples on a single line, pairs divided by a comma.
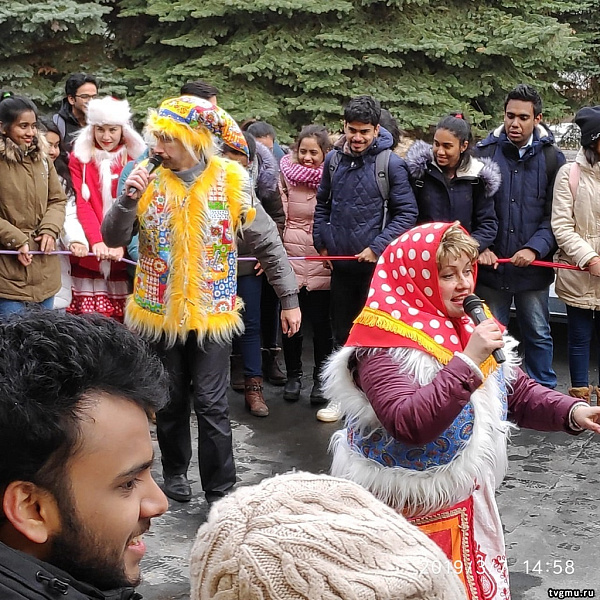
[(426, 429), (100, 287)]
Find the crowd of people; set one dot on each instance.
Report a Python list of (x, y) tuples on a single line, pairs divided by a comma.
[(237, 242)]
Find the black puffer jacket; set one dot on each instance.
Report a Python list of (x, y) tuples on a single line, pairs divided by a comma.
[(24, 577), (467, 198), (523, 207), (69, 124), (350, 209)]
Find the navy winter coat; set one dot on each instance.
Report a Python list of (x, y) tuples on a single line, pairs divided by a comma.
[(523, 206), (467, 198), (352, 219)]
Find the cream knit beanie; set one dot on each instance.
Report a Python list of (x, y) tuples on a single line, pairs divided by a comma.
[(303, 536)]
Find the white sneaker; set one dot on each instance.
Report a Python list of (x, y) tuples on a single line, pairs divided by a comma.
[(331, 413)]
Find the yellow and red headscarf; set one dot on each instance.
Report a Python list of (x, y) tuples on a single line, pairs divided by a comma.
[(404, 306)]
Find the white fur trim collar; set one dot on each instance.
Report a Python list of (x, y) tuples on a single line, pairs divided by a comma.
[(420, 492), (84, 146)]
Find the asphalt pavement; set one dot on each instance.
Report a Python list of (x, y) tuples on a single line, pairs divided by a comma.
[(549, 501)]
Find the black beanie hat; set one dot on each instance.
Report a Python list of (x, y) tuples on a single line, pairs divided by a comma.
[(588, 119)]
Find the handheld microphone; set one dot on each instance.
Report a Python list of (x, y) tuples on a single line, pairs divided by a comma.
[(153, 163), (474, 308)]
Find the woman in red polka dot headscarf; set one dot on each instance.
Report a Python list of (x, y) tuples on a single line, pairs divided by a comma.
[(426, 403)]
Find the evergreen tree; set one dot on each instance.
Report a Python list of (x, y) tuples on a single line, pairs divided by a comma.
[(44, 41), (582, 82), (297, 61)]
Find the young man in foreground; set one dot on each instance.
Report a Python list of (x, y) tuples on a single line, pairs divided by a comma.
[(75, 482)]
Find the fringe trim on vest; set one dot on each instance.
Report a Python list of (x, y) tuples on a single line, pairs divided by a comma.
[(416, 493), (218, 327)]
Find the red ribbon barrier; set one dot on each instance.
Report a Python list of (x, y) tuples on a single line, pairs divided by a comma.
[(125, 260), (535, 263), (551, 265)]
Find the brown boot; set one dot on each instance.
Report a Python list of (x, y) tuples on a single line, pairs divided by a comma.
[(583, 393), (253, 395)]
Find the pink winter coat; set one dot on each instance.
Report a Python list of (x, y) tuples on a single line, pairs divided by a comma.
[(299, 203)]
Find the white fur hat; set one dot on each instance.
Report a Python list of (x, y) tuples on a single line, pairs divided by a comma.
[(108, 111), (307, 537)]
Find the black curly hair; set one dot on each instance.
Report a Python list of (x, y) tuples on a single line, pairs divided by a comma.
[(364, 109), (53, 367)]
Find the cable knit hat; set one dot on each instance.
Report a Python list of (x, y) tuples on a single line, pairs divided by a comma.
[(588, 119), (304, 536)]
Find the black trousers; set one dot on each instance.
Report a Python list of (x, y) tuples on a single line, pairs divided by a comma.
[(270, 324), (314, 306), (199, 377), (349, 289)]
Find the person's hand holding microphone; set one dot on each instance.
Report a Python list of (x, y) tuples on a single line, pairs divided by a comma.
[(486, 338), (141, 176)]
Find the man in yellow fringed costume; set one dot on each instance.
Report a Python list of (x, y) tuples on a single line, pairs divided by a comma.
[(185, 297)]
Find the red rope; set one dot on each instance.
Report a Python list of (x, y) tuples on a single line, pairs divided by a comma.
[(535, 263), (551, 265), (125, 260)]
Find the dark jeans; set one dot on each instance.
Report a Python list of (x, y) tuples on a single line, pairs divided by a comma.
[(349, 289), (314, 306), (582, 323), (533, 316), (248, 344), (199, 376)]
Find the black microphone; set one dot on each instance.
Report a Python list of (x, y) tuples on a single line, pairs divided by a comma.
[(474, 308), (153, 163)]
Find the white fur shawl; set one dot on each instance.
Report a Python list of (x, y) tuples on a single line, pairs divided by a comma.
[(413, 492)]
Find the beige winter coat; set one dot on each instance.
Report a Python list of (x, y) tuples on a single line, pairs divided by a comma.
[(32, 202), (576, 226)]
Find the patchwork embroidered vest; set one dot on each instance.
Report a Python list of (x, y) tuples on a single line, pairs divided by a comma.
[(186, 278)]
